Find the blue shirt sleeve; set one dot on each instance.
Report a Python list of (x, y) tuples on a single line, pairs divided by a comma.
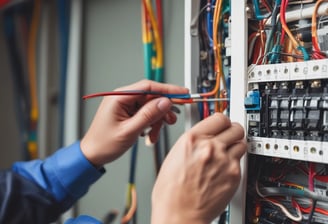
[(83, 219), (66, 174)]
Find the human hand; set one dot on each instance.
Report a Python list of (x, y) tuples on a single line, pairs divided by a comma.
[(121, 119), (200, 174)]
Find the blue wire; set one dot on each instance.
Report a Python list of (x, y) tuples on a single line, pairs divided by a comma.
[(209, 23), (306, 56), (133, 162), (257, 10)]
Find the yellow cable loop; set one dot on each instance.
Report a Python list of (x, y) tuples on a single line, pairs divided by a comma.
[(157, 37), (132, 202)]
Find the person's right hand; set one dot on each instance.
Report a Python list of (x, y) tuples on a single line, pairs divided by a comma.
[(200, 174)]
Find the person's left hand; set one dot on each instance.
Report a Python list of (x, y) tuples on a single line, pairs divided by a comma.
[(121, 119)]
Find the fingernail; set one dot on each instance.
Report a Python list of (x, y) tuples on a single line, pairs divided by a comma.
[(164, 105)]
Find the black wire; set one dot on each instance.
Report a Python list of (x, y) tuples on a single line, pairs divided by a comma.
[(314, 203)]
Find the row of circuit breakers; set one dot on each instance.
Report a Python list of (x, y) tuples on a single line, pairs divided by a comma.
[(287, 110)]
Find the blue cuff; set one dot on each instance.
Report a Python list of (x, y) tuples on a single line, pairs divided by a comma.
[(66, 174)]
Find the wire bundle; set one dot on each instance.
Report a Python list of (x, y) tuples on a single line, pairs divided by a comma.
[(214, 75), (279, 191), (277, 41)]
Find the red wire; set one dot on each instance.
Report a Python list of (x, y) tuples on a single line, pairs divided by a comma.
[(206, 111), (159, 16), (308, 209), (266, 5), (283, 19), (311, 176), (322, 178)]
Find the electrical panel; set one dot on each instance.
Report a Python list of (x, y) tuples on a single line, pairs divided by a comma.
[(286, 104), (274, 57)]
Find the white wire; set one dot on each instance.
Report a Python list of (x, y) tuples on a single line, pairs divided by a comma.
[(297, 218)]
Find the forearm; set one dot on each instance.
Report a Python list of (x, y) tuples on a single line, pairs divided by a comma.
[(66, 174), (42, 190)]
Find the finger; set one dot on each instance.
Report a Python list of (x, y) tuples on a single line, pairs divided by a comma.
[(238, 149), (212, 125), (149, 114), (154, 132), (170, 118), (149, 85), (231, 135)]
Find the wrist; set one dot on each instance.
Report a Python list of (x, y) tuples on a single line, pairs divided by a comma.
[(174, 217), (90, 154)]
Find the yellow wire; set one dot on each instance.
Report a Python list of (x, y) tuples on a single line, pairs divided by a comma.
[(32, 59), (157, 37)]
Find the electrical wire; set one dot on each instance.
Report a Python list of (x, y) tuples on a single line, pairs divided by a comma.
[(283, 191), (311, 175), (175, 98), (308, 209), (32, 41), (257, 10), (131, 203), (314, 203), (159, 13), (297, 218), (295, 43), (158, 41), (147, 42)]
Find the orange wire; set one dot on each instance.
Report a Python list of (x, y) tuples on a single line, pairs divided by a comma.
[(216, 49), (182, 101), (133, 207)]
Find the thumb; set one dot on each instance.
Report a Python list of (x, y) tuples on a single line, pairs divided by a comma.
[(150, 113)]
